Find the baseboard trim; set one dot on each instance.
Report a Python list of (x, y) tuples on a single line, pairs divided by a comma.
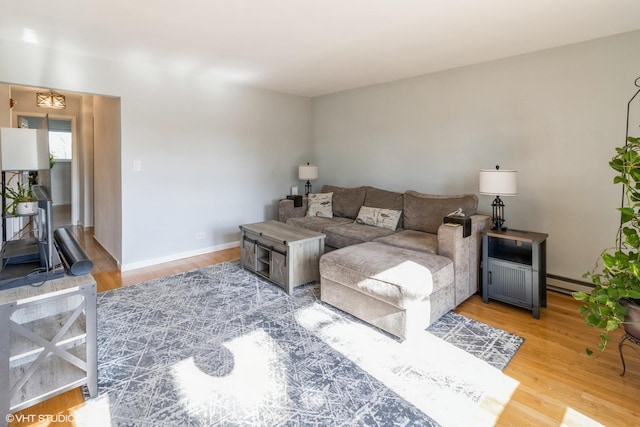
[(101, 246), (567, 285), (178, 256)]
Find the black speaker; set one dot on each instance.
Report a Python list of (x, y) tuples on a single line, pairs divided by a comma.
[(76, 260)]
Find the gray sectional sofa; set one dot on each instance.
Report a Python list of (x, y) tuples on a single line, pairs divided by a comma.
[(399, 279)]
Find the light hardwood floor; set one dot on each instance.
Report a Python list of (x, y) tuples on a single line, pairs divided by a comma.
[(557, 383)]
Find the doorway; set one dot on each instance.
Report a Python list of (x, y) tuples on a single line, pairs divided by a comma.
[(95, 147), (61, 143)]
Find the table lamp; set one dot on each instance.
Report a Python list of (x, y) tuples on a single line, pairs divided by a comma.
[(23, 149), (498, 182), (308, 172)]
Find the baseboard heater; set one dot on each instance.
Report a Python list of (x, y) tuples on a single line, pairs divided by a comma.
[(566, 285)]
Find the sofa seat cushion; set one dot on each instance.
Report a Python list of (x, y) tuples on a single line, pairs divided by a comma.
[(316, 223), (412, 239), (398, 276), (348, 234)]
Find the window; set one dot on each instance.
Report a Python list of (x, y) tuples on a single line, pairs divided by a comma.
[(60, 145)]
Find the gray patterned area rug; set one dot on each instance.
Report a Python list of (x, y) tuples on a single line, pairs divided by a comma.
[(221, 346)]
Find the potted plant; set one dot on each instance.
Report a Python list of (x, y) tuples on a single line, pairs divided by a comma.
[(21, 200), (617, 280)]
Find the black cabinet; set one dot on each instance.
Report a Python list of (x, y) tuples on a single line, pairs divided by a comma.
[(514, 268)]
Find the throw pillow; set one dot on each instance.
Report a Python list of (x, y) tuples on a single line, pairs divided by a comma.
[(378, 217), (388, 218), (320, 205), (367, 216)]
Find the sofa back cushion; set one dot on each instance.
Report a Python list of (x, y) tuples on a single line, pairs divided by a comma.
[(346, 201), (377, 198), (425, 212)]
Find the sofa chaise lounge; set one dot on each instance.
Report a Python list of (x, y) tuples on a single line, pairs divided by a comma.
[(390, 260)]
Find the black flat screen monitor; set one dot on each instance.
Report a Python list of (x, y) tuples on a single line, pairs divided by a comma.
[(44, 226)]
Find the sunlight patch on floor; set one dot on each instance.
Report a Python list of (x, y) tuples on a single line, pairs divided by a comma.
[(573, 418), (444, 382), (257, 380), (93, 413)]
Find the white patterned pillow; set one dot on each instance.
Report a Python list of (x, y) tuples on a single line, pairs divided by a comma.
[(378, 217), (367, 216), (320, 205), (388, 218)]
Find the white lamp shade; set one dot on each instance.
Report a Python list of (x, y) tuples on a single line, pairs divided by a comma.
[(307, 172), (498, 182), (23, 149)]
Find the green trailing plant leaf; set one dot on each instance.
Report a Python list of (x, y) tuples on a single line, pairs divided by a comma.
[(580, 296), (627, 214), (612, 325), (620, 180), (617, 273)]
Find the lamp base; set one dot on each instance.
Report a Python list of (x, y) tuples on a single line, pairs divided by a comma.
[(498, 214), (307, 188)]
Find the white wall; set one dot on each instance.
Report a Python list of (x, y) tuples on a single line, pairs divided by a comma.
[(61, 183), (213, 155), (107, 170), (555, 116)]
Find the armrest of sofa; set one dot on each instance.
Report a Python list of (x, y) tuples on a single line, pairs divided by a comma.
[(465, 254), (286, 209)]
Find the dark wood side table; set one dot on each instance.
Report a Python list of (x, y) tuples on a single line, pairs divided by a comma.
[(514, 268)]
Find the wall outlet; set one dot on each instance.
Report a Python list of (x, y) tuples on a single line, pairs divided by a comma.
[(201, 235)]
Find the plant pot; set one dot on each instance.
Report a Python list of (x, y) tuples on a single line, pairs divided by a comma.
[(26, 208), (632, 318)]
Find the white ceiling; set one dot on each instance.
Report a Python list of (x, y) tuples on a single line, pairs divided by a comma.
[(312, 47)]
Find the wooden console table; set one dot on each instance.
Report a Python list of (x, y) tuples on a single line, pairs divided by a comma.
[(286, 255), (47, 341)]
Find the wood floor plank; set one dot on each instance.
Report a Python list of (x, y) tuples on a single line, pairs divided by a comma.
[(557, 381)]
